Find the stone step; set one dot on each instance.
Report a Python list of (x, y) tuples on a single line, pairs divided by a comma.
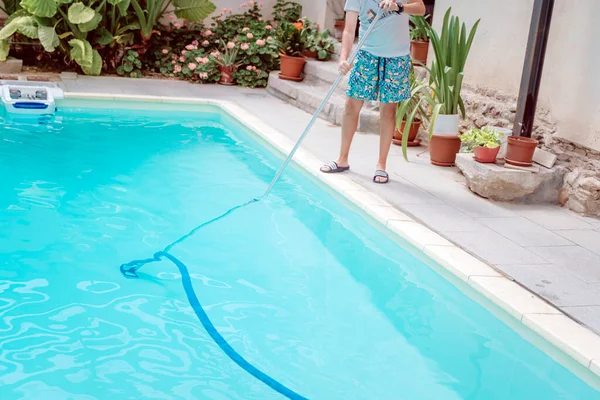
[(308, 95), (324, 72)]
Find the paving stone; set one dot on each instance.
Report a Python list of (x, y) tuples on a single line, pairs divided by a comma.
[(553, 218), (584, 238), (589, 315), (443, 217), (554, 283), (524, 232), (493, 247), (579, 261)]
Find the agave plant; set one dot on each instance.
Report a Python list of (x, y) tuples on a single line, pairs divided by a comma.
[(447, 69)]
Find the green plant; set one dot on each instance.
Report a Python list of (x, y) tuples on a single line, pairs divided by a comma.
[(323, 45), (131, 65), (148, 12), (251, 77), (419, 30), (228, 57), (486, 137), (288, 39), (413, 109), (9, 7), (286, 11), (447, 70)]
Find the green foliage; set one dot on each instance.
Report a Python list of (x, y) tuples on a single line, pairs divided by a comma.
[(88, 59), (319, 42), (9, 7), (286, 11), (131, 65), (486, 137), (289, 39), (228, 56), (251, 77), (419, 29), (447, 70)]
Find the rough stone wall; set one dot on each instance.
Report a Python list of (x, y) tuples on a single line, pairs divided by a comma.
[(581, 190)]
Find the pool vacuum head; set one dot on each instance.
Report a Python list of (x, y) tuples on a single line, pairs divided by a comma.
[(34, 98)]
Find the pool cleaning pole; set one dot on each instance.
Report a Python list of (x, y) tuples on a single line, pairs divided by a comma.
[(325, 100)]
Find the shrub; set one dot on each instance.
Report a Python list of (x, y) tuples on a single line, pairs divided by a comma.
[(251, 77), (131, 65), (286, 11)]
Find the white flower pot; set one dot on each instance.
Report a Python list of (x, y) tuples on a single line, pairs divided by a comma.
[(447, 125)]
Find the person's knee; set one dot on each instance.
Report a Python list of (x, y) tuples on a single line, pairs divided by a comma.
[(387, 110), (353, 107)]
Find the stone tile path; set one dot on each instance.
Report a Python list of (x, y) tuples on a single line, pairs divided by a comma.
[(553, 252)]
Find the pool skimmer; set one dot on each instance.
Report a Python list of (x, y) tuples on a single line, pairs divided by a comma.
[(33, 98)]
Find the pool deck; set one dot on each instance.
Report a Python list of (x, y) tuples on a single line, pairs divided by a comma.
[(549, 250)]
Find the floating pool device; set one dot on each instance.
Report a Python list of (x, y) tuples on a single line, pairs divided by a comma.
[(31, 98), (129, 270)]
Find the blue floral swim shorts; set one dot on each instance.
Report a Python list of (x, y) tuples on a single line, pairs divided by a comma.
[(379, 78)]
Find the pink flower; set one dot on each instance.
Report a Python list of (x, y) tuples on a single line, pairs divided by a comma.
[(165, 51), (198, 60), (177, 25), (171, 17), (182, 59), (245, 46), (195, 43), (260, 18), (219, 19), (230, 45), (258, 71), (172, 62), (243, 5), (269, 27), (215, 54), (203, 75), (230, 11), (260, 42), (251, 3), (192, 66), (183, 52), (207, 33), (249, 67), (216, 41), (269, 38), (191, 47), (177, 69), (205, 43), (245, 29), (249, 35)]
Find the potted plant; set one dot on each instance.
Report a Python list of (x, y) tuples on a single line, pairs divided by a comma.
[(320, 46), (410, 114), (446, 78), (419, 39), (290, 43), (339, 21), (227, 63), (520, 151), (485, 143)]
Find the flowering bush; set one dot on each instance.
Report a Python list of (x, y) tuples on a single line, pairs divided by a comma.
[(251, 77)]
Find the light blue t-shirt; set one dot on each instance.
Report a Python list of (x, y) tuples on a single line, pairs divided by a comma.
[(390, 37)]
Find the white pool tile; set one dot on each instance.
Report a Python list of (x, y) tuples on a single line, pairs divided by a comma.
[(569, 336), (459, 262), (510, 296), (384, 214), (99, 96), (364, 198), (595, 366), (145, 99), (417, 234)]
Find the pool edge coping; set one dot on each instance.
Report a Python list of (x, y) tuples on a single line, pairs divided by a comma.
[(567, 335)]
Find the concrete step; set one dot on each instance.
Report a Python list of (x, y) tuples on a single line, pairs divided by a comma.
[(308, 95), (324, 72)]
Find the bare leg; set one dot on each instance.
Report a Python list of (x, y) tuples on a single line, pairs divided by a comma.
[(349, 125), (386, 134)]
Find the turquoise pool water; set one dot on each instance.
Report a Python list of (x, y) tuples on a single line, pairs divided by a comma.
[(299, 284)]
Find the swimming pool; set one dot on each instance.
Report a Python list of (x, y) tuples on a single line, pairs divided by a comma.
[(300, 284)]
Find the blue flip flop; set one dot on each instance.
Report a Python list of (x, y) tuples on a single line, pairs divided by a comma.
[(334, 168), (382, 174)]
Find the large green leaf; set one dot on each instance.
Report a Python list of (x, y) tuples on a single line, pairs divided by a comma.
[(92, 24), (105, 37), (193, 10), (96, 67), (123, 5), (88, 59), (40, 8), (48, 38), (79, 13), (12, 27), (28, 27), (4, 49), (125, 39)]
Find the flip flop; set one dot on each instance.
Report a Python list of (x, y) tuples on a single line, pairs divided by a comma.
[(382, 174), (333, 168)]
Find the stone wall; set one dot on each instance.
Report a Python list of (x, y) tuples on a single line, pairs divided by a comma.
[(581, 190)]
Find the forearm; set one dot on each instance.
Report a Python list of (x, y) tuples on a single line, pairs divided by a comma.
[(415, 8), (347, 41)]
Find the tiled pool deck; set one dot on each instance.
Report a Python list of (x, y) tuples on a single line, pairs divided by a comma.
[(552, 252)]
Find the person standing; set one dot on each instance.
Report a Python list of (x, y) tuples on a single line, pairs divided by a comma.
[(381, 72)]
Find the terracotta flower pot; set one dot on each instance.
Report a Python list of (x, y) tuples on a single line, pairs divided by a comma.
[(412, 134), (226, 75), (443, 149), (338, 29), (418, 51), (309, 54), (486, 154), (292, 67), (520, 151)]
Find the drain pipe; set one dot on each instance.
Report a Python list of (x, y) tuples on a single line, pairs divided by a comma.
[(533, 67)]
